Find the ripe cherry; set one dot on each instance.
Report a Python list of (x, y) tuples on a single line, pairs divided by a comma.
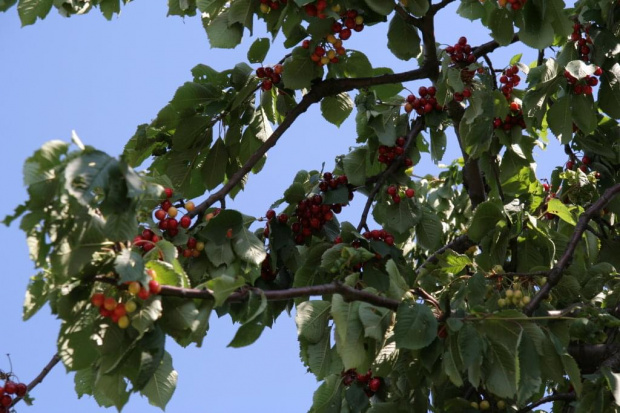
[(570, 165), (545, 187), (586, 160), (143, 294), (6, 400), (374, 384), (186, 221), (109, 304), (391, 190), (97, 299), (160, 214), (10, 387), (154, 287), (21, 389), (165, 205), (168, 192), (409, 192)]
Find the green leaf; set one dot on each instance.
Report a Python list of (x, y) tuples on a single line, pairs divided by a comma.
[(247, 334), (219, 254), (221, 34), (258, 51), (327, 398), (87, 174), (36, 295), (357, 65), (584, 113), (130, 266), (29, 10), (161, 387), (76, 349), (111, 390), (214, 168), (560, 119), (416, 326), (354, 164), (418, 7), (349, 333), (217, 230), (429, 231), (336, 109), (403, 38), (486, 217), (557, 207), (609, 92), (248, 247), (537, 31), (191, 94), (376, 321), (580, 69), (224, 286), (242, 11), (300, 70), (311, 320), (380, 6), (501, 27)]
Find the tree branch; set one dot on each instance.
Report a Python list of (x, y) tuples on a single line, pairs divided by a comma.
[(436, 7), (555, 275), (55, 359), (459, 244), (349, 293), (554, 397), (319, 90), (415, 130)]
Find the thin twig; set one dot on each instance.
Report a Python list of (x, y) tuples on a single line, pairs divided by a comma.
[(554, 397), (459, 244), (415, 130), (555, 275), (55, 359)]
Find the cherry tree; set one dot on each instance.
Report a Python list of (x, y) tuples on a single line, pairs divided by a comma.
[(483, 287)]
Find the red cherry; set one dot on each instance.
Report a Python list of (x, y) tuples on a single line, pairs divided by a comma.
[(400, 141), (165, 205), (409, 193), (283, 218), (586, 160), (6, 400), (168, 192), (187, 253), (389, 240), (391, 190), (598, 71), (185, 221), (143, 294), (172, 223), (147, 234), (345, 34), (545, 187), (423, 91), (173, 232), (375, 384), (270, 214), (154, 287), (570, 165), (21, 389), (160, 214), (96, 300), (10, 387)]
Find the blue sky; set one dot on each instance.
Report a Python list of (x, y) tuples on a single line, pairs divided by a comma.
[(103, 78)]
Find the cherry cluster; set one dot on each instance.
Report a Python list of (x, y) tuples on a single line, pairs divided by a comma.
[(270, 75), (168, 212), (426, 103), (509, 80), (583, 86), (465, 94), (267, 273), (267, 5), (515, 297), (513, 119), (371, 384), (379, 235), (387, 154), (193, 248), (311, 213), (317, 9), (396, 193), (8, 391), (585, 162), (583, 44), (461, 52), (114, 310), (514, 4), (331, 47)]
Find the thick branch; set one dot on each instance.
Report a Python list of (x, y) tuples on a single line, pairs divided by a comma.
[(488, 47), (436, 7), (555, 275), (349, 293), (568, 397), (55, 359)]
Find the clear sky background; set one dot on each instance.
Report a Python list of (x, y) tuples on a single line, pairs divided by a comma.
[(103, 78)]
